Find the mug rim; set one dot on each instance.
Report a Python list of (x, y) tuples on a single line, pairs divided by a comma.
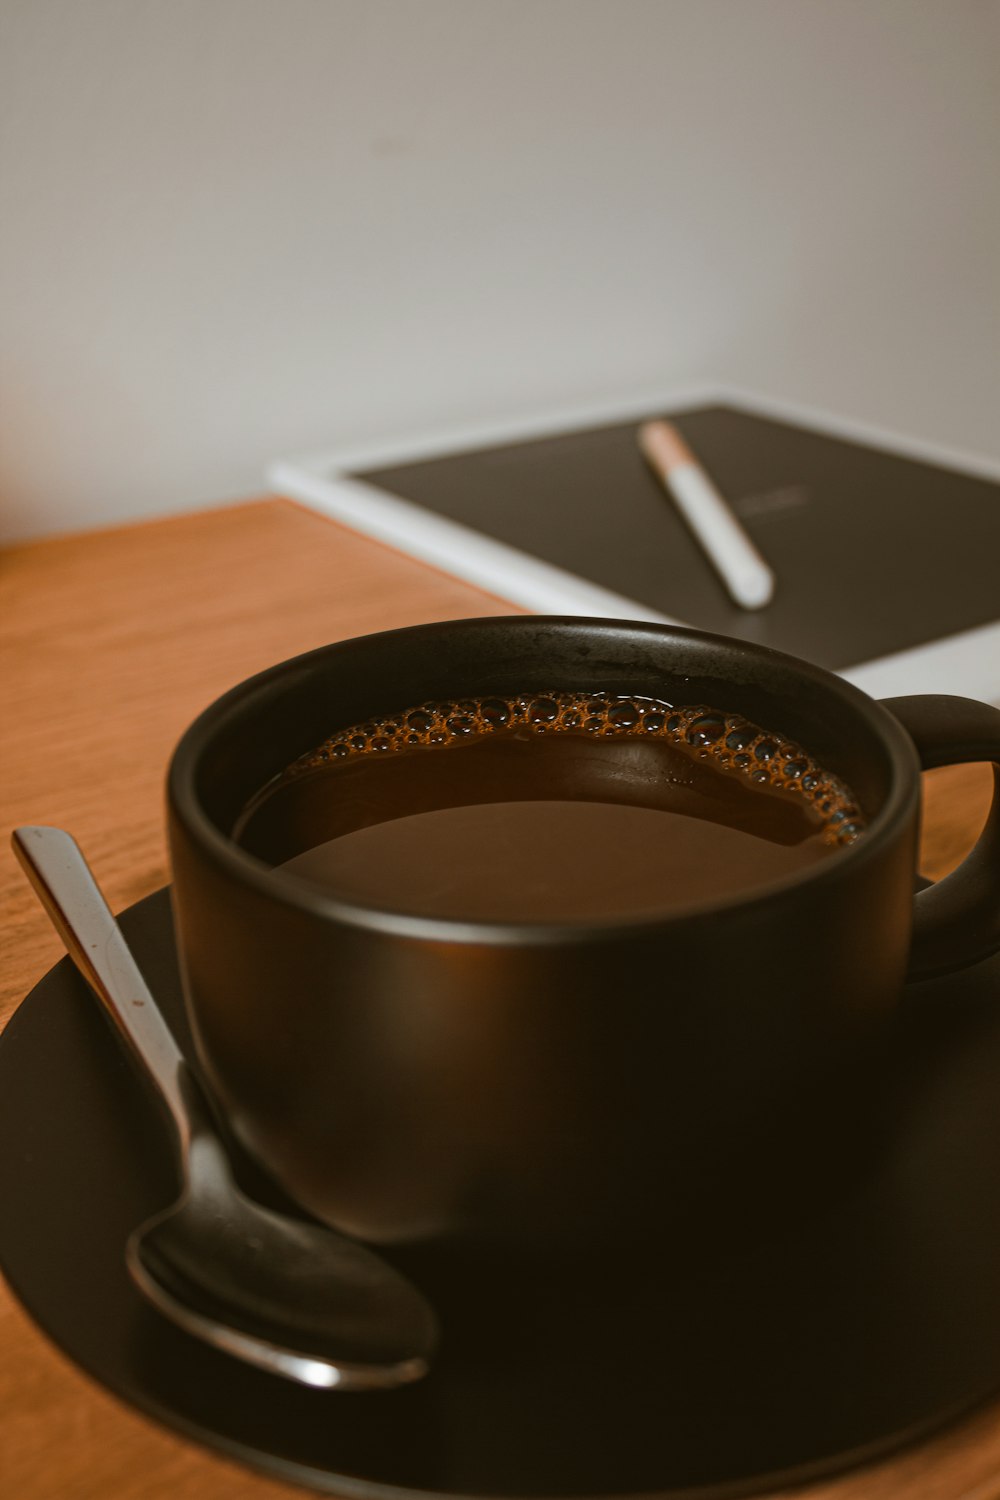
[(237, 863)]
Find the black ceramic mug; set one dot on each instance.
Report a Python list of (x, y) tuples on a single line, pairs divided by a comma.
[(409, 1078)]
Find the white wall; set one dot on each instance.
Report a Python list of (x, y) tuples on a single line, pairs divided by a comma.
[(235, 229)]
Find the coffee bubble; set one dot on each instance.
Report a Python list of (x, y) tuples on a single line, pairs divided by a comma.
[(736, 746)]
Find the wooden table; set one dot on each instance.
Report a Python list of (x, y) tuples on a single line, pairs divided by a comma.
[(111, 642)]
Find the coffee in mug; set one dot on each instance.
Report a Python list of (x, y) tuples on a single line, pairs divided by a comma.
[(553, 806), (559, 1074)]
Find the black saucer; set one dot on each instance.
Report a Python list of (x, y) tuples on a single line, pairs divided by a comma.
[(870, 1323)]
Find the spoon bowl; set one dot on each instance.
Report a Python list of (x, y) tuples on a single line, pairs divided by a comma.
[(278, 1292)]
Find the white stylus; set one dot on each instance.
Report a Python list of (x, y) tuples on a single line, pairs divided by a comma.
[(744, 572)]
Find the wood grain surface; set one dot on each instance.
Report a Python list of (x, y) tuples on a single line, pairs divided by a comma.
[(110, 643)]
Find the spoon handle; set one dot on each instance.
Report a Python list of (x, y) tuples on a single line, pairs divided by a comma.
[(66, 887)]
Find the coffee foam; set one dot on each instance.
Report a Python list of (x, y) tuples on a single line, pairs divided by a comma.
[(731, 743)]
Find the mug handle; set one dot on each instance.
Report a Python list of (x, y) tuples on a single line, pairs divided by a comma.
[(957, 919)]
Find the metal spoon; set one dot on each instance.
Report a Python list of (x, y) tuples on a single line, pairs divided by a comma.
[(292, 1297)]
